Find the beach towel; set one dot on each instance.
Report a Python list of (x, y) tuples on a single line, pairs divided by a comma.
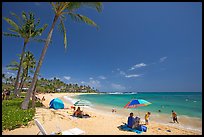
[(126, 128)]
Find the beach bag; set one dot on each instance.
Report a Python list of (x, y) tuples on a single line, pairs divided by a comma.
[(144, 128)]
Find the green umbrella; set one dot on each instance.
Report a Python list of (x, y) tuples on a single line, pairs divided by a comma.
[(82, 103)]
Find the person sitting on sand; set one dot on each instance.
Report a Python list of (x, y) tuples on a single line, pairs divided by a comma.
[(113, 110), (136, 122), (174, 116), (43, 98), (147, 118), (78, 112), (130, 121)]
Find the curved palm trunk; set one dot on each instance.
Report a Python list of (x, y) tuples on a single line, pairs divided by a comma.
[(19, 69), (24, 105), (33, 97), (21, 85)]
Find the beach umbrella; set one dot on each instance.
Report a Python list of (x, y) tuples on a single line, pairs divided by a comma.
[(134, 103), (82, 103)]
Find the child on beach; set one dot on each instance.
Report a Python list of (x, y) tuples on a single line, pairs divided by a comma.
[(113, 110), (147, 118), (174, 116)]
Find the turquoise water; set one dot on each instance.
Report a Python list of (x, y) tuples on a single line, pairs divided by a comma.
[(184, 103)]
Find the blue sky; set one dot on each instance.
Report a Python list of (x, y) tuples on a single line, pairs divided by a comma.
[(139, 46)]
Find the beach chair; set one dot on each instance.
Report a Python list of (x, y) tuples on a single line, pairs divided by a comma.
[(73, 131)]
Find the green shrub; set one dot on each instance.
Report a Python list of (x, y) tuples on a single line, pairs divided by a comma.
[(13, 116)]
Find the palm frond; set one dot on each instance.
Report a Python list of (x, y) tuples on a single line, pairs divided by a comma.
[(16, 16), (13, 30), (39, 31), (54, 7), (96, 5), (62, 29), (24, 16), (12, 23), (81, 18), (10, 34), (13, 66), (73, 6)]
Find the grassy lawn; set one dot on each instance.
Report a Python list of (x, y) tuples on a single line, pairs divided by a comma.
[(13, 116)]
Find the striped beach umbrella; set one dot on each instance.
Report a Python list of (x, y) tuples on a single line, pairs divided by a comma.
[(134, 103), (82, 103)]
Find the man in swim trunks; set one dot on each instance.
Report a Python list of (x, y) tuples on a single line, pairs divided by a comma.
[(174, 116)]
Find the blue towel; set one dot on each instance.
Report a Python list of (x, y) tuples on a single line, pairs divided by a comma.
[(126, 128)]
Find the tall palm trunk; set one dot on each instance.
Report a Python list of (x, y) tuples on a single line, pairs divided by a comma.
[(19, 69), (21, 83), (33, 97), (23, 79), (24, 105)]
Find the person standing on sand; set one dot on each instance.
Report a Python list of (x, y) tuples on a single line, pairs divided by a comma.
[(147, 118), (3, 94), (174, 116), (8, 94)]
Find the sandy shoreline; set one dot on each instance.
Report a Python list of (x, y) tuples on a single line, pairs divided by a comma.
[(100, 122)]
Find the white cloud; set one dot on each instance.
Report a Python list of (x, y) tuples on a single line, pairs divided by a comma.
[(122, 72), (162, 59), (90, 78), (83, 82), (132, 75), (94, 83), (117, 86), (10, 74), (7, 72), (67, 77), (138, 66), (102, 77)]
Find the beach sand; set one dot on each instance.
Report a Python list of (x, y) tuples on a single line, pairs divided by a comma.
[(100, 122)]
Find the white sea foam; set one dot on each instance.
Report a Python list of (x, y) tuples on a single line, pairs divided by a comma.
[(71, 100)]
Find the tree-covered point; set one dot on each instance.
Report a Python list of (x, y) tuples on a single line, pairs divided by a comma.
[(56, 85)]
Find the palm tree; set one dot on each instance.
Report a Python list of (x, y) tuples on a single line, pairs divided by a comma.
[(27, 30), (28, 66), (61, 9)]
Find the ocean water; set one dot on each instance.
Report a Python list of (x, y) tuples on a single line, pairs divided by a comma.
[(184, 103), (187, 105)]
